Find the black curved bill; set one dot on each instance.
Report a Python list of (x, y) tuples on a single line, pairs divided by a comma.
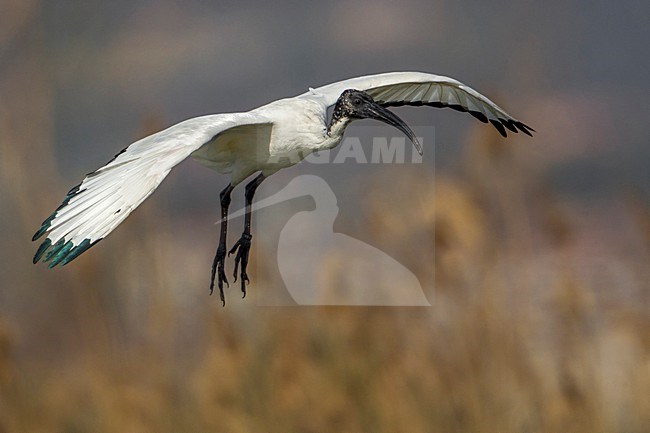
[(376, 111)]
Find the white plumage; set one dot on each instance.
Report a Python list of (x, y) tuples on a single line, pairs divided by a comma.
[(265, 140)]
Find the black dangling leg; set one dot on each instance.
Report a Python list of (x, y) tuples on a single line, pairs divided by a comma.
[(220, 257), (243, 245)]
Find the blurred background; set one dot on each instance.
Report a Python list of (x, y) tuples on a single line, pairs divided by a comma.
[(539, 285)]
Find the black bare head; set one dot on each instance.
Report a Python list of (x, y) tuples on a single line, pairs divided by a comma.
[(356, 104)]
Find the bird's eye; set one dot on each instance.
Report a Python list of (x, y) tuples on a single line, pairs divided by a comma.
[(356, 101)]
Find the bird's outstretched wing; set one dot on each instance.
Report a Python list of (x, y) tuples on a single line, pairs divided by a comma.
[(105, 197), (416, 88)]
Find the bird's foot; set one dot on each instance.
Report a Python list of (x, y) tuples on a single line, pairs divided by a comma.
[(242, 247), (218, 271)]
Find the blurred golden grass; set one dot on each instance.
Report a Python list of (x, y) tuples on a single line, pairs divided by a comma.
[(515, 341)]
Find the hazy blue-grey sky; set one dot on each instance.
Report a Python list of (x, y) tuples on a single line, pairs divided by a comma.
[(575, 70)]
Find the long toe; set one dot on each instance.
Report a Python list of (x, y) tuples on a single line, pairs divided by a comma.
[(218, 272), (222, 279), (241, 250), (244, 282)]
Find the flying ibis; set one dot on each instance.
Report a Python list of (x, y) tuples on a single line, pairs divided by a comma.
[(264, 140)]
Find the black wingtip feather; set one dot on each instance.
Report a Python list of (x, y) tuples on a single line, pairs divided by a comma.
[(524, 128), (457, 108), (41, 250), (77, 250), (509, 123), (48, 221), (480, 116), (499, 127), (41, 231), (63, 252), (55, 250)]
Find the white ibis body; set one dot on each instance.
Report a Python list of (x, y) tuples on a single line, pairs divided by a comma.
[(262, 141)]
